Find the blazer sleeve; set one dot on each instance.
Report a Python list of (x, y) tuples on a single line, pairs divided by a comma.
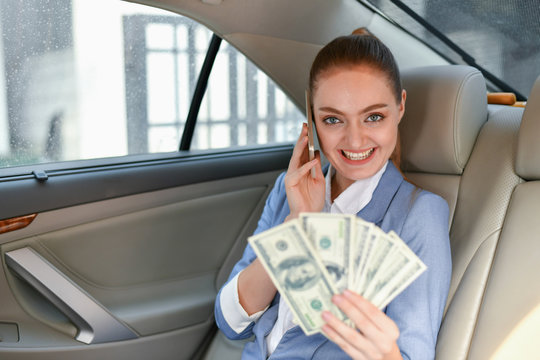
[(418, 310), (274, 212)]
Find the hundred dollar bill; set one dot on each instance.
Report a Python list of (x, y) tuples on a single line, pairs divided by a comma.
[(360, 272), (403, 278), (392, 265), (297, 273), (382, 246), (331, 235), (360, 242)]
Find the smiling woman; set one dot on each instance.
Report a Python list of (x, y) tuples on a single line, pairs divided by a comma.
[(357, 105)]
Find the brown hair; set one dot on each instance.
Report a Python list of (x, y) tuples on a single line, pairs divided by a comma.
[(359, 48)]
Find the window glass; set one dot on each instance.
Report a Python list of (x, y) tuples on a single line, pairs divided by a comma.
[(501, 36), (242, 106), (90, 79)]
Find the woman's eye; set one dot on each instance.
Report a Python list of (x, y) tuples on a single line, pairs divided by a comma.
[(374, 118), (331, 120)]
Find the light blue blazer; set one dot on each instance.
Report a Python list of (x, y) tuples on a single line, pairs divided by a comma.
[(420, 218)]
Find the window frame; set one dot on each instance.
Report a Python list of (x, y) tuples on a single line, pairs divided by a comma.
[(81, 181)]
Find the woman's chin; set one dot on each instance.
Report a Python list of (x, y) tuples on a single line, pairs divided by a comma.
[(358, 171)]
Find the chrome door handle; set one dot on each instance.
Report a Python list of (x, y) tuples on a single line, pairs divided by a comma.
[(94, 322)]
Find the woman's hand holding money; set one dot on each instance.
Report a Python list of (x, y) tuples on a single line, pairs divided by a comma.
[(374, 335), (304, 193)]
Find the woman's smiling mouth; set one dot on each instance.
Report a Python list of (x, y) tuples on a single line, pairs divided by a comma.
[(357, 156)]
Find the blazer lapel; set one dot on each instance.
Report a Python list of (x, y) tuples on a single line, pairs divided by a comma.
[(385, 191)]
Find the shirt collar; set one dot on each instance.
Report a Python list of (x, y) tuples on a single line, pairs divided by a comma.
[(354, 198)]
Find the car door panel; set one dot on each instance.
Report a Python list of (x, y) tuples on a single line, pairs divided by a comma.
[(153, 259), (77, 182)]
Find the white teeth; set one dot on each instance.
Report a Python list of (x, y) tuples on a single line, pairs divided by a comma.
[(358, 156)]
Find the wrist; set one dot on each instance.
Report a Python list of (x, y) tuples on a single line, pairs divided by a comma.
[(291, 217), (395, 353)]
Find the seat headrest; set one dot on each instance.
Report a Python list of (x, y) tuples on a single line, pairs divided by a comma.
[(446, 107), (528, 149)]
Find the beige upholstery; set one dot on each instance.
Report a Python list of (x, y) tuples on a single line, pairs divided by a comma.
[(476, 175), (528, 154), (508, 325), (485, 190), (444, 112), (445, 109), (443, 115)]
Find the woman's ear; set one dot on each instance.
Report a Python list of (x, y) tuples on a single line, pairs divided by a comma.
[(402, 104)]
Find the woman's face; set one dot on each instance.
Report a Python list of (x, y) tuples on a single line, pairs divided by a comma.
[(356, 117)]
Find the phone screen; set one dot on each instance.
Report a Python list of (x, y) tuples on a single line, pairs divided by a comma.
[(311, 142)]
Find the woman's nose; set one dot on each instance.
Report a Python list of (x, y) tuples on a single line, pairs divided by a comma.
[(355, 135)]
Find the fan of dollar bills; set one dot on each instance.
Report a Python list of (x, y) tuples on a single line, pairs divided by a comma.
[(319, 255)]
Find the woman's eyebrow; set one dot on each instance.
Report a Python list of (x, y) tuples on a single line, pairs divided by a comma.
[(366, 109)]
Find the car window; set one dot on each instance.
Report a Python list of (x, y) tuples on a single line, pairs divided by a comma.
[(242, 106), (94, 79), (501, 37)]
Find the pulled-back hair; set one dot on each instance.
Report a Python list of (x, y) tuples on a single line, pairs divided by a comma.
[(359, 48)]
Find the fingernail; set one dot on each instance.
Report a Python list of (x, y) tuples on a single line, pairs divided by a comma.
[(337, 299), (348, 293)]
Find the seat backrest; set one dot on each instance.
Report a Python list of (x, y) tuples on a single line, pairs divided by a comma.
[(443, 115), (485, 190), (444, 153), (508, 325), (445, 144)]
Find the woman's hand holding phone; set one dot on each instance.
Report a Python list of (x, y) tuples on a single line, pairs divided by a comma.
[(305, 193)]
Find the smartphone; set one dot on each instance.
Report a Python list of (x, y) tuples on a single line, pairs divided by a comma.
[(311, 142)]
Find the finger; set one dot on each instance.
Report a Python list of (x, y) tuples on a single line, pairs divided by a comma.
[(342, 343), (348, 338), (294, 177), (318, 168), (299, 155), (374, 314), (378, 328)]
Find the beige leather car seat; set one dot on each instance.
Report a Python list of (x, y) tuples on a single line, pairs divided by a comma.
[(444, 111), (484, 193), (446, 107), (508, 325)]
